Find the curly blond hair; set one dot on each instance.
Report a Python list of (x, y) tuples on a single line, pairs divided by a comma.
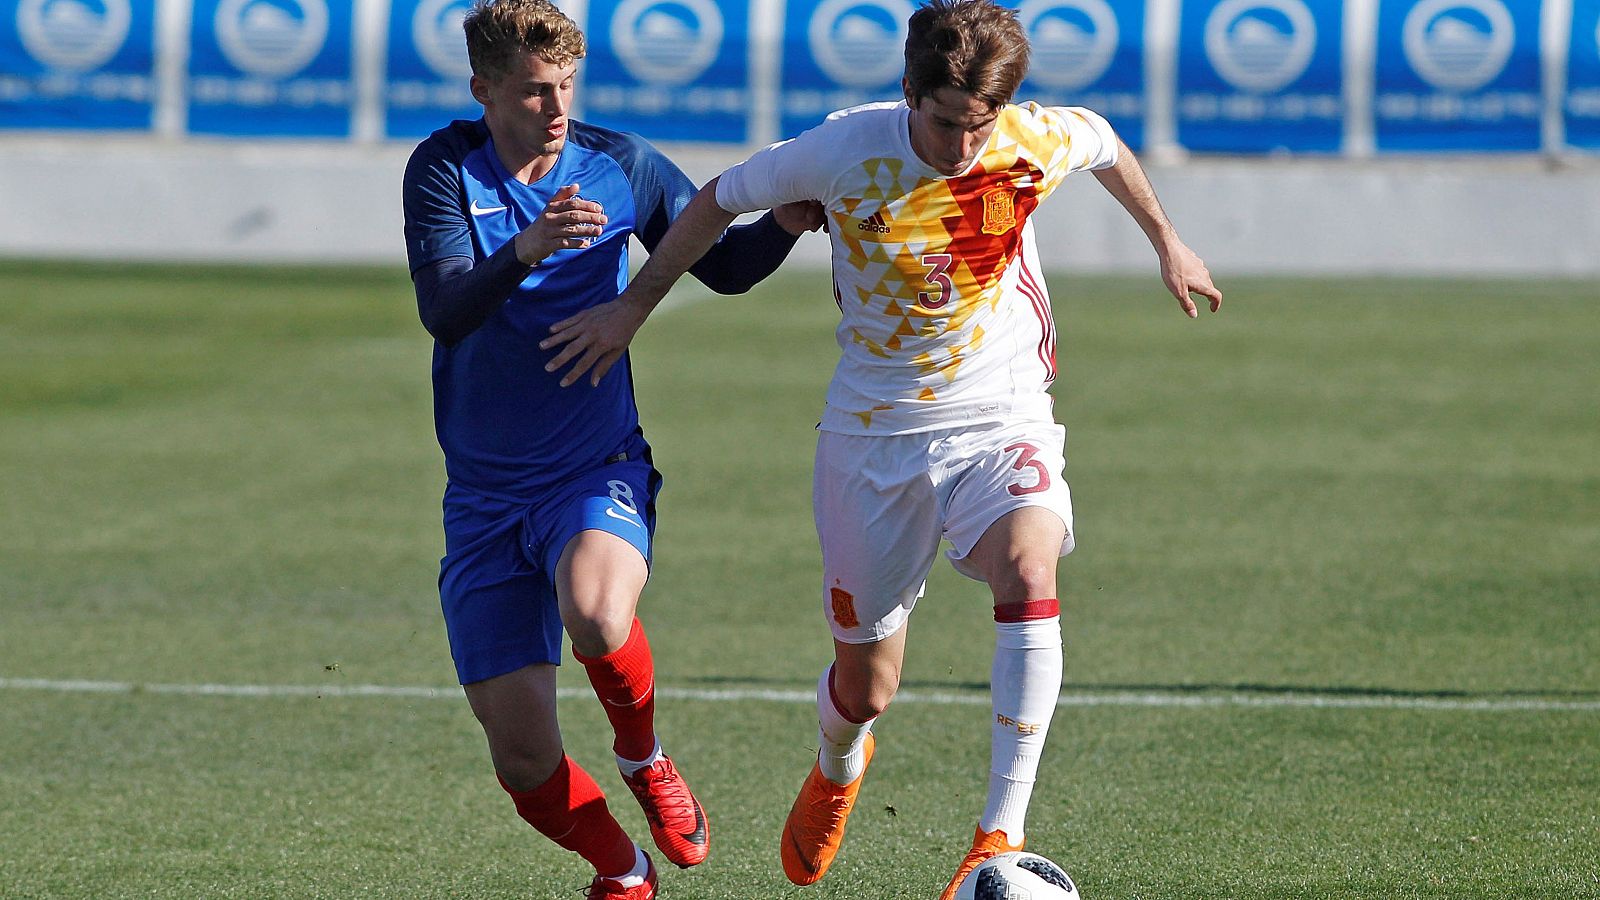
[(498, 30)]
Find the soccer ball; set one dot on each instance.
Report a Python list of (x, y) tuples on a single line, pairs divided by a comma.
[(1017, 876)]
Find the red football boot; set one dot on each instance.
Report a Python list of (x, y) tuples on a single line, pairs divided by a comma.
[(677, 821), (611, 889)]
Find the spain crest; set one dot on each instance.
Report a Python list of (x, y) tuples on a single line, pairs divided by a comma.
[(999, 211)]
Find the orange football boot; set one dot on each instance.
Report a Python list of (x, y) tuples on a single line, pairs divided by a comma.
[(984, 845), (815, 827)]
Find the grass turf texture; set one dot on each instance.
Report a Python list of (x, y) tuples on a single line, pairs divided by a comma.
[(219, 475)]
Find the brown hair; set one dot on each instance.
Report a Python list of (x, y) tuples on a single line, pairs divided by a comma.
[(975, 46), (498, 30)]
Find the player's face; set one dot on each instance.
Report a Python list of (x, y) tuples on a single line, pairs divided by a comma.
[(527, 106), (949, 127)]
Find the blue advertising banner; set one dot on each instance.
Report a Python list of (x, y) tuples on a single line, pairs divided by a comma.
[(271, 67), (428, 71), (1583, 76), (1088, 53), (838, 54), (675, 70), (77, 64), (1458, 75), (1260, 75)]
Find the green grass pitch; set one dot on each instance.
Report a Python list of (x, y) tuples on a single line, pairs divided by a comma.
[(1332, 496)]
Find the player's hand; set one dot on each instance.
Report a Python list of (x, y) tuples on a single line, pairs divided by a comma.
[(799, 217), (1185, 274), (568, 222), (596, 338)]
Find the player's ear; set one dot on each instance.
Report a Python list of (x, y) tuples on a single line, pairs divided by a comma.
[(905, 88), (480, 89)]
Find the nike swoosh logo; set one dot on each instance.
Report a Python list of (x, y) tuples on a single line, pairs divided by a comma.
[(799, 854), (698, 835), (485, 210), (634, 702), (616, 515)]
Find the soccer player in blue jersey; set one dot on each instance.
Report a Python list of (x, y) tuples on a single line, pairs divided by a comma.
[(515, 222)]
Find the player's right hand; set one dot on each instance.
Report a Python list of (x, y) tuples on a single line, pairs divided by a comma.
[(568, 222), (595, 338)]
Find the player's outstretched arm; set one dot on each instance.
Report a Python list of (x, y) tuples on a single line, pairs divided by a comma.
[(747, 254), (1183, 271), (597, 337)]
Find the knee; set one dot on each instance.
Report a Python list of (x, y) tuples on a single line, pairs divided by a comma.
[(1025, 579), (869, 699), (873, 705), (598, 628), (526, 766)]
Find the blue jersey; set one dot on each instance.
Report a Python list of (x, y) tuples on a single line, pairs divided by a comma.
[(507, 427)]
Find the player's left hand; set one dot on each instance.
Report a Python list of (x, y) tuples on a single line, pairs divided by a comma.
[(1185, 274), (799, 217), (596, 338)]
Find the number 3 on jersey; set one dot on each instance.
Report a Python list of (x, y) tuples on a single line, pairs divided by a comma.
[(938, 275)]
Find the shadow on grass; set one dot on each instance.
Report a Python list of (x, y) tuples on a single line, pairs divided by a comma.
[(1328, 690)]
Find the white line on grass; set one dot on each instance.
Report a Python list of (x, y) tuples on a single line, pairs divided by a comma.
[(1175, 698)]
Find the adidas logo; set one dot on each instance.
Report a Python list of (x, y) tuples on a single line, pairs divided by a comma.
[(874, 223)]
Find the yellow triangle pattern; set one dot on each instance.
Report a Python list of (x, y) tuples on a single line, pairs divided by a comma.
[(886, 272)]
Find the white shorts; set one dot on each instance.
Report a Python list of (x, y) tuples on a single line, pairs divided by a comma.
[(882, 504)]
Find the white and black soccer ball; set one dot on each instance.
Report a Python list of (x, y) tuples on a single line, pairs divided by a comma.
[(1017, 876)]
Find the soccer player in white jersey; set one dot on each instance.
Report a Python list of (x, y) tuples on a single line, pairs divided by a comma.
[(938, 423)]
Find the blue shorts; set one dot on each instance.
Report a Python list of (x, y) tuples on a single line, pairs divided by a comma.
[(497, 579)]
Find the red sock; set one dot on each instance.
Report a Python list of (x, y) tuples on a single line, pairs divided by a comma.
[(625, 682), (570, 809), (1027, 610)]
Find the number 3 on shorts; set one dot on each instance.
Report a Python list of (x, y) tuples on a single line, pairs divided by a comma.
[(1025, 460)]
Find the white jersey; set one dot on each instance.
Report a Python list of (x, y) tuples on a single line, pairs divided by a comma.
[(945, 320)]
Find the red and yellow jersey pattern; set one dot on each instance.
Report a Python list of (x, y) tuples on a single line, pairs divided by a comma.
[(945, 320)]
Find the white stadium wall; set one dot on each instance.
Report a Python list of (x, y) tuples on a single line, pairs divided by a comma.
[(1365, 136), (148, 200)]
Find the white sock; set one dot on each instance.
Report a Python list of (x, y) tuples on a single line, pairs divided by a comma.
[(841, 743), (630, 766), (1024, 685), (636, 875)]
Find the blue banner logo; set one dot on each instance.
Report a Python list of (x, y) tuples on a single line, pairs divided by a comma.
[(428, 71), (271, 40), (1583, 76), (78, 64), (1260, 75), (1088, 53), (671, 70), (859, 44), (437, 35), (669, 43), (1074, 41), (1260, 45), (271, 67), (73, 36), (853, 53), (1458, 75), (1459, 46)]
